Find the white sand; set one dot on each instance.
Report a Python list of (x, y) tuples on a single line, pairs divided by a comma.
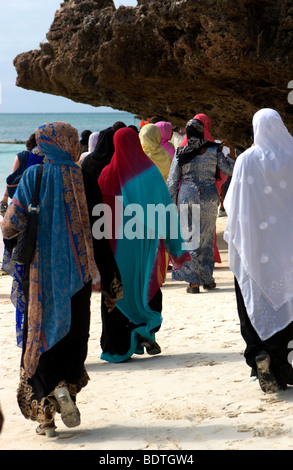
[(196, 395)]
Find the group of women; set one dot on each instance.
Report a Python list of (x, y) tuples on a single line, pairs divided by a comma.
[(127, 170), (68, 263)]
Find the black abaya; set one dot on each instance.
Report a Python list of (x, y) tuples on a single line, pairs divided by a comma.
[(277, 346)]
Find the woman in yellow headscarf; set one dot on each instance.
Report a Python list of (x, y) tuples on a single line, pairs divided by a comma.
[(150, 138)]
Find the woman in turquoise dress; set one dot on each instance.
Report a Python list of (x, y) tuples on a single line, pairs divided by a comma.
[(132, 186)]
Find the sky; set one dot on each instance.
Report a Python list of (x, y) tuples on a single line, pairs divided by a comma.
[(23, 26)]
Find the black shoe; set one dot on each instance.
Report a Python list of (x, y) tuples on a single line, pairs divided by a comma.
[(267, 380), (192, 289), (151, 347), (211, 286)]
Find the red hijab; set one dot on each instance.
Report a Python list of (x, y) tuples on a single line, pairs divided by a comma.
[(207, 125)]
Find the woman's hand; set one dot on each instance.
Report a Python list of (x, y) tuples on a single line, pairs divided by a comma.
[(227, 143)]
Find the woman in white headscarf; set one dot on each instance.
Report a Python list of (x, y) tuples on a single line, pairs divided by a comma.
[(93, 139), (259, 233)]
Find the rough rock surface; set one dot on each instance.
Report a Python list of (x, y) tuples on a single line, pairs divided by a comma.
[(226, 58)]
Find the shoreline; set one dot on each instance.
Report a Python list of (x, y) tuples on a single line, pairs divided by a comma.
[(12, 142), (196, 395)]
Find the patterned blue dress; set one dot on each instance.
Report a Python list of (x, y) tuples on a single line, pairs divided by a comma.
[(198, 188)]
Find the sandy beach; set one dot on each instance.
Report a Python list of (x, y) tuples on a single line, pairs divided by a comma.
[(196, 395)]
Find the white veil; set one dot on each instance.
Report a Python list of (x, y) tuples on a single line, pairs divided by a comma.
[(259, 229)]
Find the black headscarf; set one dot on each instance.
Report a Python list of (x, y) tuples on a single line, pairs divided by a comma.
[(95, 161), (85, 135), (195, 142)]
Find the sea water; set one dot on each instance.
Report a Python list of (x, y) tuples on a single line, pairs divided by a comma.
[(18, 127)]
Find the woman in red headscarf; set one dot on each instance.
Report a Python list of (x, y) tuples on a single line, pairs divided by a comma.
[(139, 245)]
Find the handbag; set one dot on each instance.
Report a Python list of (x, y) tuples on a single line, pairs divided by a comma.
[(26, 240)]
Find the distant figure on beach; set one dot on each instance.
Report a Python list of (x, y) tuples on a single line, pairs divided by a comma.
[(177, 136), (166, 130), (57, 283), (195, 166), (36, 157), (95, 162), (259, 236), (155, 119), (93, 139), (150, 138), (19, 165), (118, 125), (131, 126), (138, 245), (84, 141)]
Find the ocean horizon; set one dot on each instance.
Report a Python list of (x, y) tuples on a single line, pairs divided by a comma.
[(15, 129), (19, 126)]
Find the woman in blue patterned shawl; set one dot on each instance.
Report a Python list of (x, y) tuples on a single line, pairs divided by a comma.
[(60, 278)]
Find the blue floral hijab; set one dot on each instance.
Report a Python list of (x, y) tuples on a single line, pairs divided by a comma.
[(63, 261)]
